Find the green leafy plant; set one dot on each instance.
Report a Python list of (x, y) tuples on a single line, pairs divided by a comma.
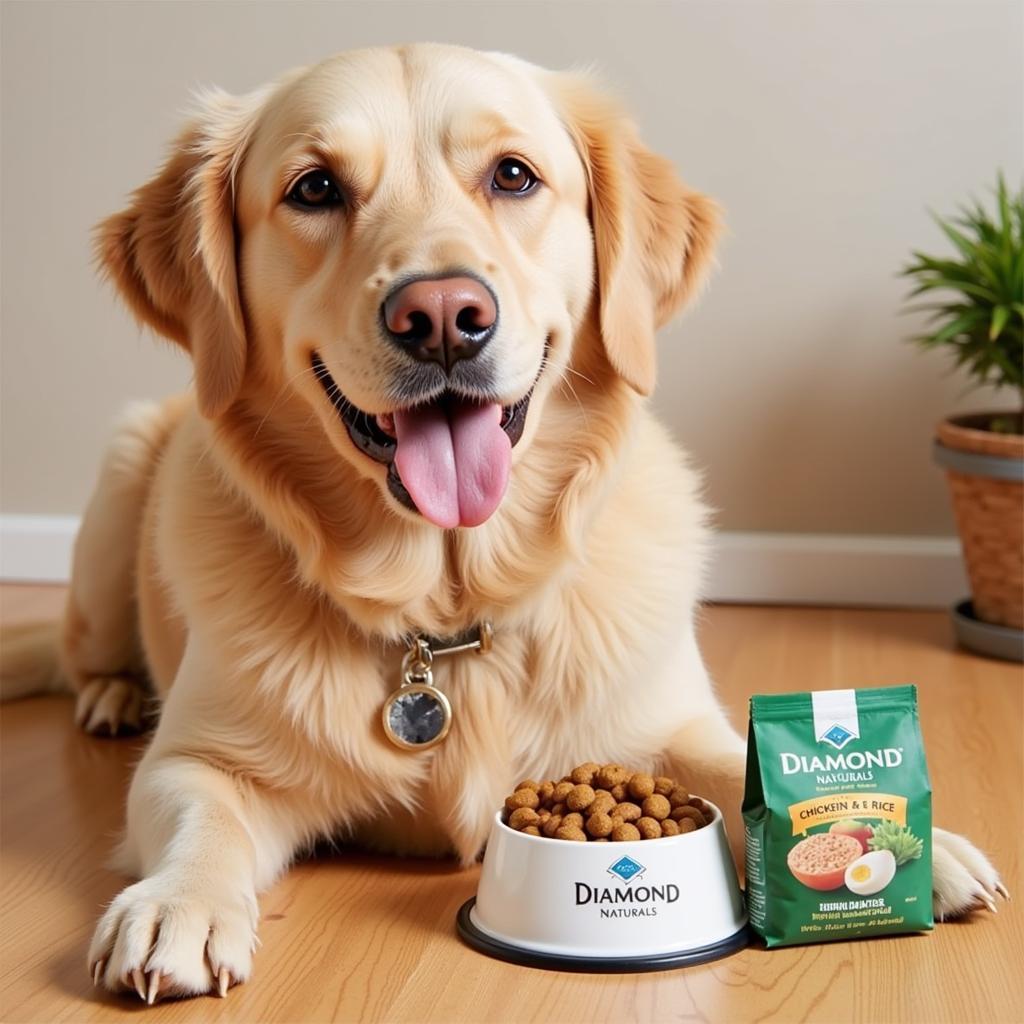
[(981, 318), (898, 840)]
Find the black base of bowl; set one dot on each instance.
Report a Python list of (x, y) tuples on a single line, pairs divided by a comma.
[(484, 943), (985, 637)]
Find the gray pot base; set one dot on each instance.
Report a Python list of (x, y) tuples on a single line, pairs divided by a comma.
[(984, 637)]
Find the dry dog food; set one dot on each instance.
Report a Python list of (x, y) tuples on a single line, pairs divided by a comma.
[(838, 816), (605, 803)]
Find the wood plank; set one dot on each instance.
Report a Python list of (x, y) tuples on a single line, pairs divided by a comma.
[(349, 937)]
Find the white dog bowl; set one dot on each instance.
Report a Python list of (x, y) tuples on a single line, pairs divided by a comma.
[(634, 906)]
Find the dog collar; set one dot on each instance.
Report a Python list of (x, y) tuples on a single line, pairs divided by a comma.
[(418, 715)]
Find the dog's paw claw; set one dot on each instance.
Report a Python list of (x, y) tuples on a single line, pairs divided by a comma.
[(154, 988), (139, 980), (223, 982)]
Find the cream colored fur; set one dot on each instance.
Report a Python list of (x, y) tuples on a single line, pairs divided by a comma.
[(242, 551)]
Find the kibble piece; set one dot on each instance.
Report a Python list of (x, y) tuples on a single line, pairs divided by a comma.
[(580, 798), (568, 832), (603, 803), (678, 797), (641, 786), (558, 809), (695, 801), (528, 784), (599, 825), (619, 792), (521, 817), (612, 775), (583, 774), (687, 825), (573, 821), (669, 827), (552, 825), (625, 833), (544, 791), (627, 812), (656, 806), (689, 813), (663, 785), (561, 791), (522, 798), (543, 816), (530, 830), (648, 828)]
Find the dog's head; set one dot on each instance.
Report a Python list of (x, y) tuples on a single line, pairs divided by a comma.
[(412, 241)]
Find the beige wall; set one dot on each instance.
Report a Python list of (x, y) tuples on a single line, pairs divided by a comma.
[(824, 128)]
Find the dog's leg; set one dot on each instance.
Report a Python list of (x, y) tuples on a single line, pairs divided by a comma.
[(204, 842), (704, 752), (708, 757), (100, 649), (204, 834)]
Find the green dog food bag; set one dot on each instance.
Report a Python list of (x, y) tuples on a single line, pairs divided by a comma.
[(838, 816)]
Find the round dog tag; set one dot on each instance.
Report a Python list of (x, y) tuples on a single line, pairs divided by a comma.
[(416, 716)]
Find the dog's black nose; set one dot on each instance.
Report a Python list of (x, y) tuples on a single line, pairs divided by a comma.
[(441, 319)]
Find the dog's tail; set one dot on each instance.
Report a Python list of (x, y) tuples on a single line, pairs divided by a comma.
[(29, 661)]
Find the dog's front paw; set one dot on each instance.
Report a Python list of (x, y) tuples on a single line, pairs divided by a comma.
[(160, 937), (963, 878)]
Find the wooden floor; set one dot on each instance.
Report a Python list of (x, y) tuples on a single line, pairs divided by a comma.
[(354, 938)]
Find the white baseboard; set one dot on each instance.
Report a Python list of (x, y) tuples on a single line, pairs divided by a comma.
[(778, 568), (837, 569), (36, 548)]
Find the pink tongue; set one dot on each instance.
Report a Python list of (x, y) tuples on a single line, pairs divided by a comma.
[(454, 463)]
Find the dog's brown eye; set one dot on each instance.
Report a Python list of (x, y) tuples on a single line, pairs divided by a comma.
[(316, 189), (513, 175)]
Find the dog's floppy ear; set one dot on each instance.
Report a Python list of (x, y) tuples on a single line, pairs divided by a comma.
[(653, 236), (171, 254)]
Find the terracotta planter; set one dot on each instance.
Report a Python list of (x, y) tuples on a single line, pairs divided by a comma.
[(985, 471)]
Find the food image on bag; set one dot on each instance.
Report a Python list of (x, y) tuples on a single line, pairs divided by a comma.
[(838, 816)]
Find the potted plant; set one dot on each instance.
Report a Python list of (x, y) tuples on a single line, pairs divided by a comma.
[(976, 302)]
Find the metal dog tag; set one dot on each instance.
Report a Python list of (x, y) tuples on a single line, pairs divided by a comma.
[(417, 715)]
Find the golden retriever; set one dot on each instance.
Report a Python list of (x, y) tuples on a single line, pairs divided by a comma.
[(419, 287)]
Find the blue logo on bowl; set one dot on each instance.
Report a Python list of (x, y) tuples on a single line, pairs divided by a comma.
[(838, 736), (627, 869)]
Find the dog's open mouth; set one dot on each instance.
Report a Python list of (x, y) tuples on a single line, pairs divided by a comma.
[(447, 459)]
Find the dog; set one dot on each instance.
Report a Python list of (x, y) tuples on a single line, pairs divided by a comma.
[(420, 288)]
